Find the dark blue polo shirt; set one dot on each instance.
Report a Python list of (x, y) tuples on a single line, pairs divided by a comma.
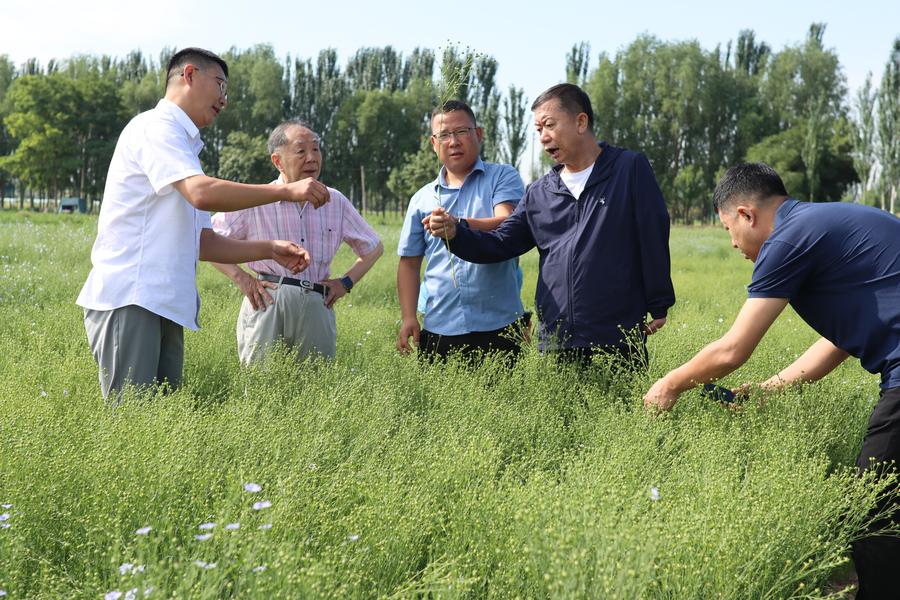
[(839, 265)]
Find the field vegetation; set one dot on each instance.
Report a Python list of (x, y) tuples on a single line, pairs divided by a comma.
[(375, 476)]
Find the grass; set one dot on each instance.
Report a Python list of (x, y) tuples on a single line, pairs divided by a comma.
[(391, 479)]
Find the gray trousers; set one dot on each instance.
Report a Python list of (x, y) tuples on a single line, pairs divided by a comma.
[(298, 317), (134, 346)]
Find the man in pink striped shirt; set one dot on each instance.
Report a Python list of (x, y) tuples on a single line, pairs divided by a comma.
[(277, 306)]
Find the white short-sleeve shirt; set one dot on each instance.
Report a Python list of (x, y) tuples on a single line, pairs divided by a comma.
[(148, 235)]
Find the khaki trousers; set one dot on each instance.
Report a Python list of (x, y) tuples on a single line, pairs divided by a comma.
[(298, 317)]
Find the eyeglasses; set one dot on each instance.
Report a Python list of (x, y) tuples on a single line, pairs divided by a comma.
[(459, 134), (223, 83)]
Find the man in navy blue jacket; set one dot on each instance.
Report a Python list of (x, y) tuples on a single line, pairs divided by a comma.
[(601, 227), (838, 266)]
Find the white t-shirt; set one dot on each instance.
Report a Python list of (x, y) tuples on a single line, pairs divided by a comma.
[(576, 181), (148, 235)]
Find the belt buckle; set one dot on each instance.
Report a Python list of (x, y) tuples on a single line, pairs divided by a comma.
[(306, 285)]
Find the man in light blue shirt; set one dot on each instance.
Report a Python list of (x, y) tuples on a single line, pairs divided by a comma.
[(469, 306)]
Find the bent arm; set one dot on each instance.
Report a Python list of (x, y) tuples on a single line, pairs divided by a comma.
[(501, 211), (512, 238), (220, 249), (819, 360), (722, 356), (212, 194), (363, 263)]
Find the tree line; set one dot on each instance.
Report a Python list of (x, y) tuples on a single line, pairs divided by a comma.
[(692, 111)]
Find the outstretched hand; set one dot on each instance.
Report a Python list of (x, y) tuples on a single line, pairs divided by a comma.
[(660, 397), (290, 256), (309, 190)]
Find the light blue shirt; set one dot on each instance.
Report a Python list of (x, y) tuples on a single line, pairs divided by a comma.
[(484, 297)]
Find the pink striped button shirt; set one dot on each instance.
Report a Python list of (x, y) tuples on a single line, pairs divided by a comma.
[(320, 231)]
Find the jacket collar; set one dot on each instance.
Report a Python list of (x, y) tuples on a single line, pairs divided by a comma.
[(602, 170)]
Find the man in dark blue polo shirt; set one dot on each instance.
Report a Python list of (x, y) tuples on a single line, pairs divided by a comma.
[(838, 265), (601, 227)]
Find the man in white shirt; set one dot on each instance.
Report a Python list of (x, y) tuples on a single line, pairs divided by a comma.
[(154, 226)]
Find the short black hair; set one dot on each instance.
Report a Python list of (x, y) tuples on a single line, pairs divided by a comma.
[(198, 56), (571, 98), (755, 181), (454, 105)]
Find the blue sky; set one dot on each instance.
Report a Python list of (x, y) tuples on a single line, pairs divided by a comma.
[(529, 39)]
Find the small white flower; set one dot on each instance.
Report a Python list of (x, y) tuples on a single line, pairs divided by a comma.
[(259, 569), (4, 517), (265, 526), (6, 505), (65, 392), (205, 565), (261, 505), (125, 568), (313, 466), (2, 593), (721, 320), (353, 537), (233, 526), (5, 525), (143, 530), (252, 487), (131, 594), (202, 537), (654, 494), (43, 394), (113, 595), (148, 590), (207, 526), (368, 333)]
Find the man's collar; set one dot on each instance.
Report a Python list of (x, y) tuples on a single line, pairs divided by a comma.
[(602, 157), (442, 174), (169, 107), (782, 211)]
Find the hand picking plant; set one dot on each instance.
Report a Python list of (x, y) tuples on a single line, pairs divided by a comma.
[(454, 74)]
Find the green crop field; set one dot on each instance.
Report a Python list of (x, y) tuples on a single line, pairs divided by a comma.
[(380, 477)]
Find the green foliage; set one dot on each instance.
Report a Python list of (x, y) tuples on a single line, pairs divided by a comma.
[(695, 112), (246, 159), (417, 170), (390, 478)]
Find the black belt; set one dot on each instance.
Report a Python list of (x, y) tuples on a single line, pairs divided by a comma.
[(306, 285)]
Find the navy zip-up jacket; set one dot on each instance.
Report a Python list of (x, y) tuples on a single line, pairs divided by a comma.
[(604, 258)]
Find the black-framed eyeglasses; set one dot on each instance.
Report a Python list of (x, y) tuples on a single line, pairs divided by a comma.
[(459, 134)]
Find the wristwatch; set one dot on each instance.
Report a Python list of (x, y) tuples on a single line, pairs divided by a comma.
[(347, 283)]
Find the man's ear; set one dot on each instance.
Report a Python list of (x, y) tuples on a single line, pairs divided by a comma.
[(748, 213), (276, 160), (581, 122)]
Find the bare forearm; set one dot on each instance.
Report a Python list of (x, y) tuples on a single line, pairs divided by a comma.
[(485, 223), (362, 265), (233, 272), (211, 194), (220, 249), (818, 361), (408, 286), (713, 362)]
